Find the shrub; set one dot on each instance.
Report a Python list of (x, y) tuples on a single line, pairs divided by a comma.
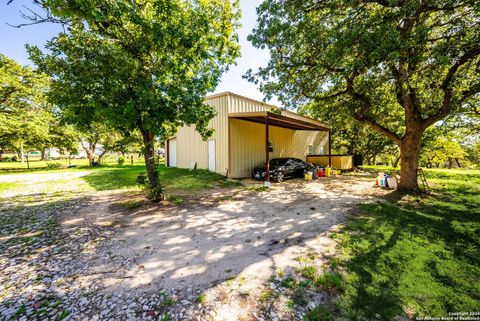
[(53, 165), (155, 194), (121, 160), (142, 179)]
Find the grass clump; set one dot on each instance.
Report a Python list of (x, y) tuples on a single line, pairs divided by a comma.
[(132, 204), (202, 298), (267, 295), (418, 256), (319, 313)]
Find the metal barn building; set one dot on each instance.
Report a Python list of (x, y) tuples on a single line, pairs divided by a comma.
[(247, 133)]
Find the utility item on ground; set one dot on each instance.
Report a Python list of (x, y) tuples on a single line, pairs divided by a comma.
[(423, 179), (328, 171), (384, 180)]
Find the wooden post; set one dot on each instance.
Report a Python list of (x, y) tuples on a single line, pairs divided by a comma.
[(267, 151), (28, 163), (329, 149)]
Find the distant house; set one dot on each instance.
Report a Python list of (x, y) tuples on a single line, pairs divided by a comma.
[(244, 130)]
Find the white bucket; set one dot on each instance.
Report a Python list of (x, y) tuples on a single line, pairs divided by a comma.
[(392, 182)]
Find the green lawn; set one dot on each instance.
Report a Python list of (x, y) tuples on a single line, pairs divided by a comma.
[(36, 163), (418, 256), (110, 178), (173, 179)]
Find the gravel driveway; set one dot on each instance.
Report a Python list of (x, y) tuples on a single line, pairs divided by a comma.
[(86, 259)]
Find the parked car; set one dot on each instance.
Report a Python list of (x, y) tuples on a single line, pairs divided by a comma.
[(281, 168)]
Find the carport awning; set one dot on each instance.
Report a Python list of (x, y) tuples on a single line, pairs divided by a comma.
[(280, 120)]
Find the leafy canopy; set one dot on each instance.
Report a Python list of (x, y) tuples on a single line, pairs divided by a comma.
[(143, 65), (25, 114), (393, 64)]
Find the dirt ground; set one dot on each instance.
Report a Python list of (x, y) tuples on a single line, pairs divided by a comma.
[(222, 245)]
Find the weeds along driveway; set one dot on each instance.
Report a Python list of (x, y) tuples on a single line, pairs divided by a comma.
[(97, 260)]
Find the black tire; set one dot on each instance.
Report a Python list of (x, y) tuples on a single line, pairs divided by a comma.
[(280, 177)]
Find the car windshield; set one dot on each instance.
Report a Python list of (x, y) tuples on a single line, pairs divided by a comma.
[(278, 161)]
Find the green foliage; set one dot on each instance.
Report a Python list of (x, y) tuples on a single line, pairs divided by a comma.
[(419, 255), (155, 193), (438, 149), (124, 177), (348, 136), (25, 115), (202, 298), (142, 179), (140, 67), (473, 154), (132, 204), (54, 165), (396, 66), (121, 160), (319, 313)]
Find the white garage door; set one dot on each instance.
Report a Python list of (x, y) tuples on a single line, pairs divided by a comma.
[(172, 152), (211, 155)]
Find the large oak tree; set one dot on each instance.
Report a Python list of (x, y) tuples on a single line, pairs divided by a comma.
[(140, 65), (399, 66)]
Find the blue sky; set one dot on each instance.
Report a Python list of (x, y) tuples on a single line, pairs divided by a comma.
[(13, 40)]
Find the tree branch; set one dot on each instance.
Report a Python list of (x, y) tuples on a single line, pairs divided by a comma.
[(379, 128), (448, 93)]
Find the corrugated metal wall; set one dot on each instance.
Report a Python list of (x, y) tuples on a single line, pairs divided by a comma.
[(247, 139), (247, 143), (340, 162), (191, 147)]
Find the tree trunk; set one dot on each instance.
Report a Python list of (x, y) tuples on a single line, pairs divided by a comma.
[(100, 157), (458, 163), (90, 151), (409, 154), (152, 172), (42, 158), (397, 160), (21, 153)]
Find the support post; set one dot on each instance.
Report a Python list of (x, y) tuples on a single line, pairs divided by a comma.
[(167, 151), (267, 152), (329, 149)]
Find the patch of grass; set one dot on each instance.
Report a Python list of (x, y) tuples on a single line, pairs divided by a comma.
[(131, 204), (289, 282), (289, 304), (330, 280), (177, 200), (257, 188), (319, 313), (164, 317), (167, 300), (21, 310), (267, 295), (419, 256), (63, 315), (202, 298), (5, 186), (125, 177)]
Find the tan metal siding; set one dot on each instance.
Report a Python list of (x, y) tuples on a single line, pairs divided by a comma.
[(191, 147), (248, 145), (340, 162)]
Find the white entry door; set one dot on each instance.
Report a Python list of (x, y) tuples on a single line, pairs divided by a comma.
[(211, 155), (172, 152)]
